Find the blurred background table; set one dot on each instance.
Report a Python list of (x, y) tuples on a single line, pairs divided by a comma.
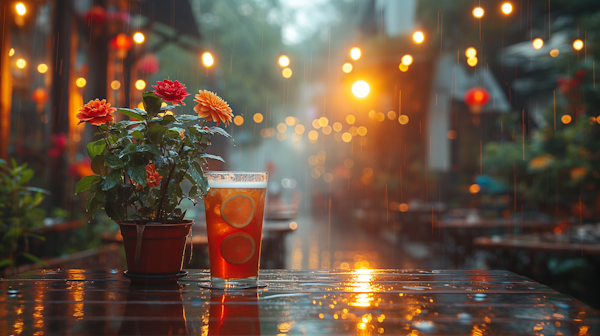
[(364, 301)]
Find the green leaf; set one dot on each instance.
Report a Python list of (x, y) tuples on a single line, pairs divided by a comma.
[(137, 135), (221, 131), (152, 103), (148, 148), (96, 148), (98, 165), (168, 119), (198, 177), (187, 118), (133, 113), (138, 174), (114, 178), (86, 183), (5, 262), (210, 156), (115, 211), (27, 175), (169, 107), (127, 123), (193, 192), (33, 258), (114, 162), (13, 234), (157, 133), (95, 203)]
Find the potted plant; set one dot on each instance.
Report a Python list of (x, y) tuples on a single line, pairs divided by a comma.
[(140, 166)]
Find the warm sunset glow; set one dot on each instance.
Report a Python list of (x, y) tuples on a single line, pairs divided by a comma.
[(478, 12), (207, 59), (554, 52), (258, 118), (284, 61), (361, 89), (472, 61), (115, 85), (471, 52), (286, 73), (238, 120), (578, 44), (141, 106), (80, 82), (42, 68), (355, 53), (507, 8), (418, 37), (407, 60), (538, 43), (566, 119), (21, 10), (474, 188), (347, 67), (140, 84), (21, 63), (138, 37)]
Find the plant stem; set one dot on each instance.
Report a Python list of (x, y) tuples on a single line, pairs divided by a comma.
[(165, 187)]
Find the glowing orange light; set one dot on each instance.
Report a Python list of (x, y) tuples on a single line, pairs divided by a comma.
[(140, 84), (258, 118), (11, 52), (347, 67), (474, 188), (507, 8), (238, 120), (313, 135), (554, 52), (451, 134), (347, 137), (138, 37), (538, 43), (471, 52), (566, 119), (293, 226), (350, 119), (21, 10), (207, 59), (418, 37), (42, 68), (403, 207), (286, 73), (299, 129), (361, 89), (403, 119), (355, 53), (478, 12), (290, 121), (284, 61), (80, 82), (21, 63), (472, 61), (578, 44), (407, 60), (362, 131), (115, 85), (403, 67)]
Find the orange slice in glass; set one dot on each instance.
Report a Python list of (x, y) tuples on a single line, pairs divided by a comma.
[(238, 210), (238, 248)]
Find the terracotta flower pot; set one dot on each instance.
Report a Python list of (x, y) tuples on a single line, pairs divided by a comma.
[(159, 256)]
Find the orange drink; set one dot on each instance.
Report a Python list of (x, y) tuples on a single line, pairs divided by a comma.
[(234, 209)]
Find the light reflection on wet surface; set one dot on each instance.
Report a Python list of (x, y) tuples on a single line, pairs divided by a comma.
[(362, 301)]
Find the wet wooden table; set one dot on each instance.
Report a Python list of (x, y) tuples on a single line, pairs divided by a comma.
[(363, 302)]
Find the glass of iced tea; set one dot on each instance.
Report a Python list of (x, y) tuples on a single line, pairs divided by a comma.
[(234, 208)]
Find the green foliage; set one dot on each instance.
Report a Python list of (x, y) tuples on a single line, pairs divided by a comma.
[(123, 159), (19, 215)]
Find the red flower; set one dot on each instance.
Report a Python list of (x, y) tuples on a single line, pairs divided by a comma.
[(171, 91), (212, 107), (152, 177), (96, 112)]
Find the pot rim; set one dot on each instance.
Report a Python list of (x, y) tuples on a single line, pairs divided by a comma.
[(132, 223)]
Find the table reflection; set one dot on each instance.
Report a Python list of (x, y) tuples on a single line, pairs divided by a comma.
[(159, 311), (234, 313)]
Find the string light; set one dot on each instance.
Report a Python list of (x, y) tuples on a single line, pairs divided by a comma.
[(347, 67), (418, 37), (471, 52), (11, 52), (21, 10), (407, 60), (554, 52), (478, 12), (138, 37), (115, 85), (472, 61), (284, 61), (258, 118), (42, 68), (578, 44), (507, 8), (207, 59), (286, 73), (21, 63), (140, 84), (538, 43), (361, 89), (80, 82), (355, 53)]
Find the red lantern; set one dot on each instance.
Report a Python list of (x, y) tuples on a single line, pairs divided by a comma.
[(40, 96), (95, 16), (149, 63), (122, 42), (476, 98)]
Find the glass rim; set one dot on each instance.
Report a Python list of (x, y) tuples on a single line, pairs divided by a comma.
[(218, 172)]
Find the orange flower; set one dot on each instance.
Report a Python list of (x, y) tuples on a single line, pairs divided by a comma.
[(182, 134), (152, 177), (212, 107), (577, 173), (96, 112)]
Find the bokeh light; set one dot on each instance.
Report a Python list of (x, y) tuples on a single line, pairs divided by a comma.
[(474, 188), (337, 126), (348, 163), (115, 85), (347, 67), (42, 68), (451, 134), (471, 52), (316, 124), (538, 43), (391, 115), (313, 135), (566, 119), (207, 59), (140, 84), (290, 121), (21, 63), (238, 120), (138, 37), (258, 118), (286, 73), (347, 137), (361, 89), (380, 116), (403, 207), (507, 8), (355, 53), (403, 67), (21, 10), (478, 12), (362, 131), (472, 61), (407, 59), (578, 44), (350, 119), (327, 129), (11, 52), (554, 52), (403, 119), (323, 121), (281, 127), (283, 61), (299, 129), (418, 37), (80, 82)]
